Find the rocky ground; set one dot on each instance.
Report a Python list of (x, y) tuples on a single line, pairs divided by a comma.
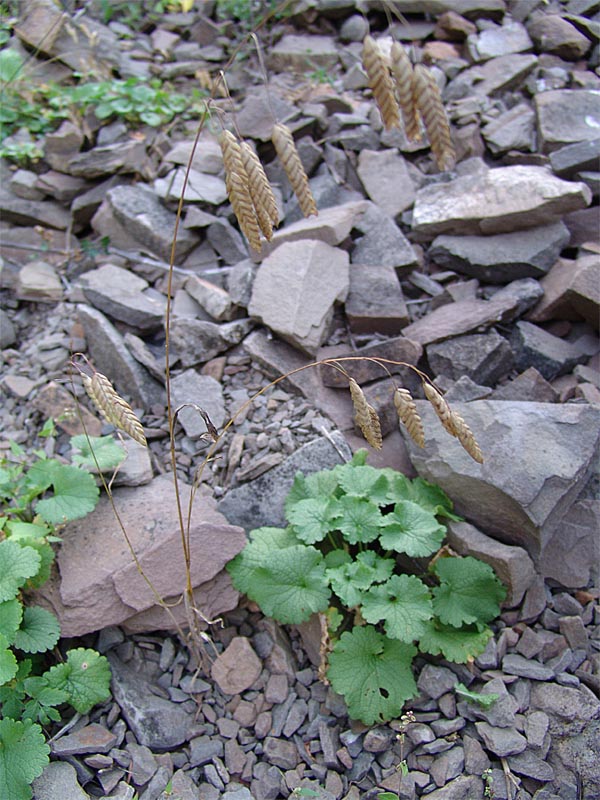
[(486, 277)]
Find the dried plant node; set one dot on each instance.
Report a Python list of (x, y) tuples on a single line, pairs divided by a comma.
[(285, 147), (262, 195), (409, 416), (380, 83), (366, 417), (236, 182), (402, 72), (112, 406), (428, 101)]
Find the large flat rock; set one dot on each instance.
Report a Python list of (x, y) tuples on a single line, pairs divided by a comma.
[(538, 458), (100, 584), (497, 201)]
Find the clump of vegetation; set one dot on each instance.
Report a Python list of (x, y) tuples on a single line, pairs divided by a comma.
[(38, 496), (363, 549)]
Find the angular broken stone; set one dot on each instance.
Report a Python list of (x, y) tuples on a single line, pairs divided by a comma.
[(214, 300), (196, 341), (39, 282), (202, 390), (512, 130), (295, 290), (485, 357), (497, 201), (103, 161), (556, 35), (502, 257), (237, 667), (100, 584), (386, 179), (382, 242), (563, 117), (503, 72), (200, 188), (571, 291), (499, 40), (300, 53), (550, 355), (363, 370), (33, 212), (121, 295), (207, 154), (573, 158), (529, 385), (375, 303), (537, 460)]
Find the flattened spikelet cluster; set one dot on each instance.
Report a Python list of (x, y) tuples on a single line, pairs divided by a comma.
[(283, 141), (112, 407), (428, 101), (366, 417), (402, 71), (409, 416), (238, 189), (262, 195), (453, 422), (380, 83)]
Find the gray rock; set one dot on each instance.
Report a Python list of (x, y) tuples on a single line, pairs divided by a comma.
[(332, 226), (302, 53), (436, 681), (572, 556), (448, 766), (121, 294), (571, 291), (58, 781), (497, 74), (386, 179), (465, 787), (501, 742), (569, 709), (139, 213), (23, 184), (157, 723), (202, 390), (39, 282), (8, 335), (19, 211), (529, 386), (499, 40), (512, 564), (214, 300), (354, 29), (112, 358), (476, 761), (503, 257), (486, 357), (375, 303), (261, 501), (575, 757), (63, 144), (514, 664), (553, 34), (295, 289), (200, 188), (512, 130), (363, 370), (100, 582), (227, 241), (563, 117), (574, 158), (203, 749), (382, 242), (255, 117), (101, 162), (207, 154), (498, 201), (197, 341), (535, 347), (537, 459), (281, 753)]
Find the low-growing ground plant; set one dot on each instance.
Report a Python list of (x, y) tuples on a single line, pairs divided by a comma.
[(39, 494), (363, 549)]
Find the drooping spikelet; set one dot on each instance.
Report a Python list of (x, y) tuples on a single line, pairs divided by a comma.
[(408, 414), (287, 153), (262, 195), (366, 417), (112, 406), (236, 181), (402, 72), (453, 422), (380, 83), (428, 100)]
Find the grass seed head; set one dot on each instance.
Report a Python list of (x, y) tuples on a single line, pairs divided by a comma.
[(285, 147), (380, 82)]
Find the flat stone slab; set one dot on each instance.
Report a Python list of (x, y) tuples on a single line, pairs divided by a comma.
[(565, 116), (303, 53), (386, 179), (497, 201), (537, 460), (375, 302), (502, 257), (295, 290), (571, 291), (100, 583)]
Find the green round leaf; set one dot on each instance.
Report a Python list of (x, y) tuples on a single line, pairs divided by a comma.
[(403, 603), (153, 119), (412, 530), (469, 591), (360, 520), (11, 614), (88, 680), (373, 673), (23, 756), (39, 631), (455, 644), (8, 662), (17, 564), (75, 495), (312, 519)]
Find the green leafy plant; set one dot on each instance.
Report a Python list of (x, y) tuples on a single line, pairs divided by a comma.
[(38, 496), (484, 700), (350, 530)]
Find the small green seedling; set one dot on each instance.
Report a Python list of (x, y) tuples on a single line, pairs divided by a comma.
[(484, 700)]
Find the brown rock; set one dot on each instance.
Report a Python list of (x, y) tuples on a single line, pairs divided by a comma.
[(56, 402), (553, 34), (375, 303), (529, 385), (398, 349), (451, 27), (237, 668), (571, 291)]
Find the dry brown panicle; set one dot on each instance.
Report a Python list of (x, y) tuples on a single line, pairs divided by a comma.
[(409, 416), (453, 422), (380, 83), (283, 141), (366, 417), (402, 72), (262, 195), (112, 407), (428, 101), (236, 182)]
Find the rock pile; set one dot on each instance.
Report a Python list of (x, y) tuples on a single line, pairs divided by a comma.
[(486, 277)]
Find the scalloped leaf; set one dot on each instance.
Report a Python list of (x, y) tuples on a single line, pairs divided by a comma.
[(264, 545), (412, 530), (85, 676), (75, 496), (95, 452), (18, 564), (373, 673), (403, 603), (8, 662), (364, 481), (455, 644), (11, 614), (312, 518), (349, 579), (469, 591), (39, 631), (359, 519), (23, 756)]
